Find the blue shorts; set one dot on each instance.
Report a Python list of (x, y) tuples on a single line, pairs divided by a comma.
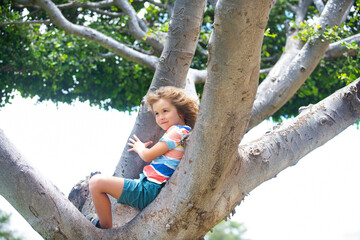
[(139, 193)]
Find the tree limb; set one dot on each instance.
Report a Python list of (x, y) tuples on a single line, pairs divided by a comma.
[(213, 3), (265, 71), (38, 200), (172, 70), (276, 90), (301, 10), (4, 24), (347, 11), (337, 49), (160, 5), (100, 4), (107, 13), (58, 19), (135, 28), (319, 5), (264, 158)]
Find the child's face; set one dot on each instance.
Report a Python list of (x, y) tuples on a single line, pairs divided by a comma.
[(166, 114)]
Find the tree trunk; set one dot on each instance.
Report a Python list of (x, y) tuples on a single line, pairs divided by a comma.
[(172, 70)]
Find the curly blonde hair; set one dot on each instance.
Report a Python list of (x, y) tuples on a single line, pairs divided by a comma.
[(185, 105)]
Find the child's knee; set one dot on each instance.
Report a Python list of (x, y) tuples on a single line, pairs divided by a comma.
[(95, 182)]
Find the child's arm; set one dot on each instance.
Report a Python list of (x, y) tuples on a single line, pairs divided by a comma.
[(147, 154)]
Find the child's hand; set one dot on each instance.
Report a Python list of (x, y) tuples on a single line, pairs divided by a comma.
[(137, 145)]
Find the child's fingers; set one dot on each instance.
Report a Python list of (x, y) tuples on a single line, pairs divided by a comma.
[(132, 147), (136, 138), (148, 143), (131, 140)]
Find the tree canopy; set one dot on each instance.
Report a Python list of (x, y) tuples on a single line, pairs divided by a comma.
[(39, 59)]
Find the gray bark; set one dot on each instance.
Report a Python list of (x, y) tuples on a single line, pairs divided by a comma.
[(319, 5)]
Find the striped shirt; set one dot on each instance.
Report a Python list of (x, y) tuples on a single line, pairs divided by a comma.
[(162, 167)]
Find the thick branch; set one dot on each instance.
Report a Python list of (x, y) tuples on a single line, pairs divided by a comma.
[(337, 49), (58, 19), (107, 13), (172, 70), (286, 145), (160, 5), (200, 76), (276, 90), (135, 28), (38, 200), (3, 24), (319, 5), (184, 30), (100, 4), (213, 3), (300, 10)]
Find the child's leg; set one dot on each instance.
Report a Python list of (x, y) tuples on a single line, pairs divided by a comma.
[(99, 187)]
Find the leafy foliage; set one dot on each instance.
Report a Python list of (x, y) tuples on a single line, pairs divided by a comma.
[(5, 234), (329, 75), (61, 68), (227, 230), (41, 60)]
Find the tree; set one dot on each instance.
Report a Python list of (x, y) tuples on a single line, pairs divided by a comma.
[(217, 170)]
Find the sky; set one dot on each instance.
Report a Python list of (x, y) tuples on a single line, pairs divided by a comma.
[(316, 199)]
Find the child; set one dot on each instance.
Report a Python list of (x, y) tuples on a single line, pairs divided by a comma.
[(175, 113)]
